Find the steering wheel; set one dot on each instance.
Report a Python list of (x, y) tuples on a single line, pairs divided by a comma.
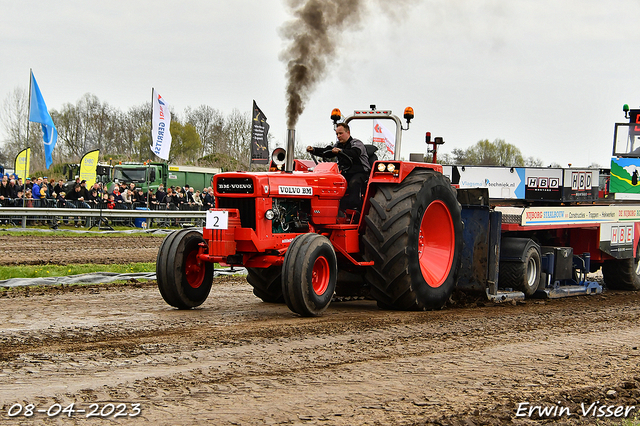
[(342, 166), (325, 155)]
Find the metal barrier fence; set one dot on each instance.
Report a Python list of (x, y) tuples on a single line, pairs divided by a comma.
[(53, 213)]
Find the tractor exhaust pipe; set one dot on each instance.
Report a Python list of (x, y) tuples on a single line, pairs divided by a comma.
[(291, 147)]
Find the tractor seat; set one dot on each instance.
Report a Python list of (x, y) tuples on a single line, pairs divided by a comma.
[(371, 153)]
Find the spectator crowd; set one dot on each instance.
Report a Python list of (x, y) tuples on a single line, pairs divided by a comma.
[(46, 192)]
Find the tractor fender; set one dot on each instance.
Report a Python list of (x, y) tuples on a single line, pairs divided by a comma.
[(514, 249)]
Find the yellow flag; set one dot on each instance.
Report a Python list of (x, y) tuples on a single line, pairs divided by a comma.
[(21, 166), (88, 167)]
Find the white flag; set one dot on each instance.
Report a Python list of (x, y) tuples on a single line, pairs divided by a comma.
[(382, 135), (160, 134)]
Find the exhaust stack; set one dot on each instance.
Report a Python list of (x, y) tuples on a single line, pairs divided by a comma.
[(291, 147)]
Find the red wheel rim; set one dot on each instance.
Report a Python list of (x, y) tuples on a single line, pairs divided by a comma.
[(436, 244), (320, 275), (194, 269)]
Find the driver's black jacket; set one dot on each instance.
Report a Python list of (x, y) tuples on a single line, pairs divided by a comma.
[(354, 149)]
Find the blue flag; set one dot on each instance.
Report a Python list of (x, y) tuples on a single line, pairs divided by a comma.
[(38, 113)]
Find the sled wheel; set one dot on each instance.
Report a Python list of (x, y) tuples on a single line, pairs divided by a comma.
[(266, 283), (523, 276), (184, 281), (622, 274), (309, 274), (413, 234)]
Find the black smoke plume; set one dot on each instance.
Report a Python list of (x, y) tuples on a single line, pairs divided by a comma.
[(313, 35)]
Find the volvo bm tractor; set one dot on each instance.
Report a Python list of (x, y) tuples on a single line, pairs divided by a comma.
[(401, 248)]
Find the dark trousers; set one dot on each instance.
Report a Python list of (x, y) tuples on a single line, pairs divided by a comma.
[(355, 183)]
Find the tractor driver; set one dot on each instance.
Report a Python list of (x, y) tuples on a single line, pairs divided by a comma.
[(357, 174)]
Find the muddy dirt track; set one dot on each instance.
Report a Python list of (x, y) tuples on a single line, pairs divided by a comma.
[(65, 250), (237, 360)]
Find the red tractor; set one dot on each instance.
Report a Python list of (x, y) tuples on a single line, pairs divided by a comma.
[(402, 248)]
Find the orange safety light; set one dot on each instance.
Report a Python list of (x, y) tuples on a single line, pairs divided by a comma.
[(408, 114), (336, 115)]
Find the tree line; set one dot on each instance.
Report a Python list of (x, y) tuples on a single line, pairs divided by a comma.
[(486, 153), (201, 136)]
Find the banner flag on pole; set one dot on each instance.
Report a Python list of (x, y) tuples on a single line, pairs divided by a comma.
[(160, 125), (89, 167), (382, 135), (38, 114), (259, 133), (21, 164)]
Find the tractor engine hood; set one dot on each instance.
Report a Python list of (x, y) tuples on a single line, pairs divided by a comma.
[(324, 182)]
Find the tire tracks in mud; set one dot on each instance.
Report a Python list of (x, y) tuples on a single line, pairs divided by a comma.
[(354, 365), (67, 250)]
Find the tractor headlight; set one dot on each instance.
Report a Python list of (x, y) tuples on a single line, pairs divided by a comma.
[(388, 168), (269, 214)]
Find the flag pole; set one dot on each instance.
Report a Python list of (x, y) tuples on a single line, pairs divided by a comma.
[(151, 126), (151, 141), (24, 169), (26, 152)]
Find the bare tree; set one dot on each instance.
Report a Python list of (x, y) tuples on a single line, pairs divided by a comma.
[(533, 162), (70, 132), (15, 120), (15, 115), (485, 153), (87, 125), (135, 132), (209, 123), (238, 134)]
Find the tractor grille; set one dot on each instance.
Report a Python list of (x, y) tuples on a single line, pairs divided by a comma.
[(247, 207)]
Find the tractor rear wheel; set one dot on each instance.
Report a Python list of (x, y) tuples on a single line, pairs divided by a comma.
[(266, 283), (309, 274), (622, 274), (183, 280), (414, 236)]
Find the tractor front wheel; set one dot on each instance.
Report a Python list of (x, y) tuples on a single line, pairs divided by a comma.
[(309, 274), (184, 281)]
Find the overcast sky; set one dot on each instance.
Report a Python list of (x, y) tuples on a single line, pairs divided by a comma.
[(547, 76)]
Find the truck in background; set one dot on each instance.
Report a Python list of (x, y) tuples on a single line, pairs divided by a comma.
[(72, 171), (151, 175)]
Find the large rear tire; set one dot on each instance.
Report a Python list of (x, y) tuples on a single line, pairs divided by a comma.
[(414, 236), (183, 280), (266, 283), (622, 274), (309, 274)]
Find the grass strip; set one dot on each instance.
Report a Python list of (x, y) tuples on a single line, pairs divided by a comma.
[(38, 271), (80, 234)]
